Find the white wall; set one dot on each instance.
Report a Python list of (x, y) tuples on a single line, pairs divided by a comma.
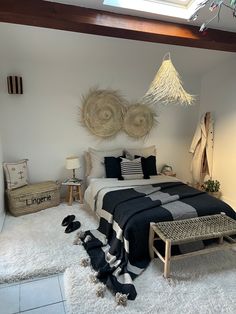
[(58, 67), (218, 95), (2, 212)]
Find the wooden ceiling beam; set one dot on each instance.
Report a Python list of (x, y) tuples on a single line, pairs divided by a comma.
[(77, 19)]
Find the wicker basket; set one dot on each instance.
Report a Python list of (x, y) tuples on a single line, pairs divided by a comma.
[(33, 197)]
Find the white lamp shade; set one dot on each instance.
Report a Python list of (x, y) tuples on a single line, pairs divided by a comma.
[(72, 163)]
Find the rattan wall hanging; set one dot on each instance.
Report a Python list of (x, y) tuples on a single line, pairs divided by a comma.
[(105, 112), (139, 120), (102, 112)]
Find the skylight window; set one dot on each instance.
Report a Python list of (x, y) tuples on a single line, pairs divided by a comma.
[(177, 8)]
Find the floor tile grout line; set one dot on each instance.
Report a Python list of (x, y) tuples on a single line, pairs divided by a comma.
[(39, 307), (37, 279), (64, 307), (61, 290), (25, 281), (62, 294), (60, 287), (19, 296), (7, 285)]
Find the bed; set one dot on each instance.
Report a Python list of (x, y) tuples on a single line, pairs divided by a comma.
[(119, 249)]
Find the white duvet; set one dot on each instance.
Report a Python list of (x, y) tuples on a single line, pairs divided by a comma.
[(98, 187)]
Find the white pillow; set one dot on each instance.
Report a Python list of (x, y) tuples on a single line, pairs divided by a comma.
[(143, 152), (16, 174), (97, 160), (131, 169)]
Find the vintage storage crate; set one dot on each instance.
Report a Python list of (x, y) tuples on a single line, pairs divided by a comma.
[(33, 197)]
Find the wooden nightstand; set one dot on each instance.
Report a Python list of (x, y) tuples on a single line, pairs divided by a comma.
[(74, 191)]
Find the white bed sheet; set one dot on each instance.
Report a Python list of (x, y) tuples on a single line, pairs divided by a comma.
[(98, 187)]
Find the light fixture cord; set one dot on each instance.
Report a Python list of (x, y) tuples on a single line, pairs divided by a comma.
[(167, 56)]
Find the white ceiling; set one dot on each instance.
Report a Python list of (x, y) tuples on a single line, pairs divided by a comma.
[(227, 21)]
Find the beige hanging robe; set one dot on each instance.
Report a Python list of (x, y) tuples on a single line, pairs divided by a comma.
[(202, 149)]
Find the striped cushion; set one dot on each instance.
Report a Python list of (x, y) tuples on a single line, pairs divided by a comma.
[(131, 169)]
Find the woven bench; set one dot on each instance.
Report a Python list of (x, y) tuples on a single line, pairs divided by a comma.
[(191, 230)]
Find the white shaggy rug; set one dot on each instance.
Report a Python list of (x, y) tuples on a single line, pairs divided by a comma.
[(35, 245), (201, 285)]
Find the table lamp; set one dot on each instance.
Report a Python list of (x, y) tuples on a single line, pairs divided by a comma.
[(73, 163)]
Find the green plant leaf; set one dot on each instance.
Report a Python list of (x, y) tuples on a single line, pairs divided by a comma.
[(211, 186)]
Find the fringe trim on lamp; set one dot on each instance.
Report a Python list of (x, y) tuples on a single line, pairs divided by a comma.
[(167, 86)]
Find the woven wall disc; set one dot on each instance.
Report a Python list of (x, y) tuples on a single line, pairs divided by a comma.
[(102, 112), (139, 120)]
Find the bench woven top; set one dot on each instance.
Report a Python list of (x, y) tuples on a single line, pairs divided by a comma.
[(193, 229)]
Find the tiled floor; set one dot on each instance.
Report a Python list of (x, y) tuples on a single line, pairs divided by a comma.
[(39, 296)]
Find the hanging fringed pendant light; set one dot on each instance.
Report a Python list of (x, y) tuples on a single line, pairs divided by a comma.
[(167, 86)]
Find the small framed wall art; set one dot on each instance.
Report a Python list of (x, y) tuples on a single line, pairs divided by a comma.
[(15, 85)]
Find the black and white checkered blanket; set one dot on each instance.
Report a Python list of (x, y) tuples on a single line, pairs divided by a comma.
[(119, 249)]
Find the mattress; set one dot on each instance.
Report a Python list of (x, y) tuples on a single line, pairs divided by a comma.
[(103, 185)]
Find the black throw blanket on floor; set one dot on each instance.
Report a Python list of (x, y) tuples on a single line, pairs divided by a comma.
[(119, 249)]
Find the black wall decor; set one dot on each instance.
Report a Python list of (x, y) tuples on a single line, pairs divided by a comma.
[(15, 85)]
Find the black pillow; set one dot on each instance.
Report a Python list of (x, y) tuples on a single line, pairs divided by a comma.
[(112, 167), (148, 165)]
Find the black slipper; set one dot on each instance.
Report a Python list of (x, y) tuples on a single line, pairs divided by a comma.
[(74, 225), (67, 220)]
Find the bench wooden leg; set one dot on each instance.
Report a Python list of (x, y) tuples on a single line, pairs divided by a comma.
[(167, 259), (151, 238)]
